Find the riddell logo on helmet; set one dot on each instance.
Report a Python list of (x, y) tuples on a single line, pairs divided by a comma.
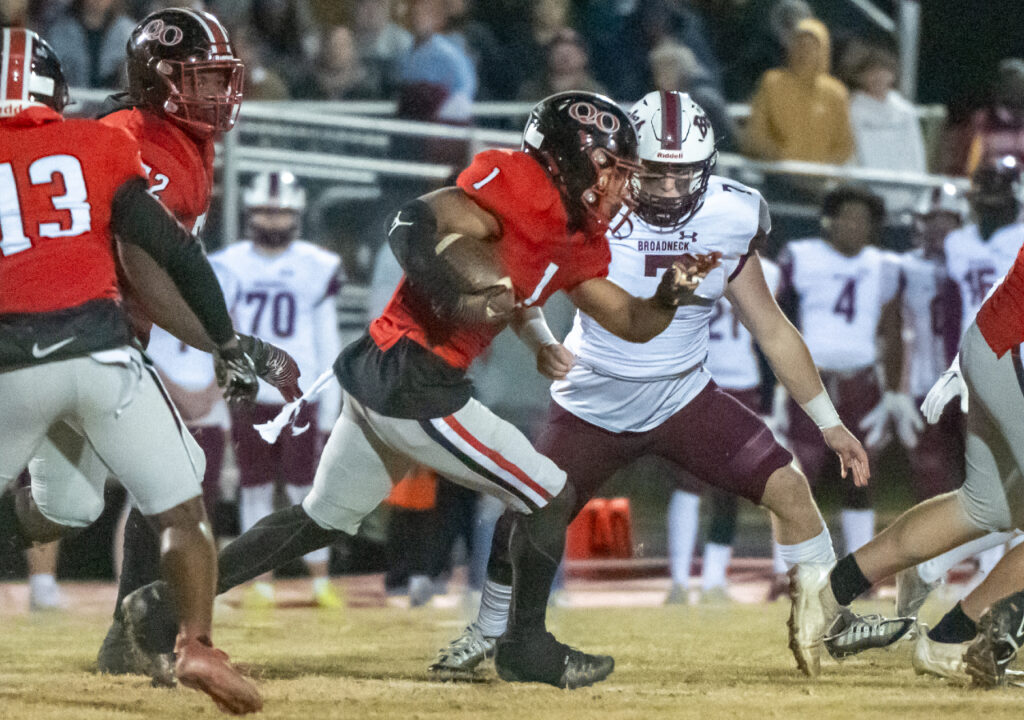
[(164, 34)]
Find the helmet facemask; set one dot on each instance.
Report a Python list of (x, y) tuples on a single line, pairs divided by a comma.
[(667, 195), (202, 97), (605, 199)]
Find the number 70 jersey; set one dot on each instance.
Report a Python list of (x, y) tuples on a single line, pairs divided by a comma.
[(287, 299), (840, 300)]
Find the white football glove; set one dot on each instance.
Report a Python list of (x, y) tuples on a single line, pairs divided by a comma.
[(905, 418), (876, 425), (948, 386)]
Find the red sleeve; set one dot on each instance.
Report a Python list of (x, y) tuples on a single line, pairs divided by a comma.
[(509, 183)]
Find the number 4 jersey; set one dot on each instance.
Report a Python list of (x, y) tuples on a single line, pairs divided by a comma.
[(840, 300)]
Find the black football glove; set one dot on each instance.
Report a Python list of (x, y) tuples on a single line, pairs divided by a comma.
[(273, 365), (236, 374)]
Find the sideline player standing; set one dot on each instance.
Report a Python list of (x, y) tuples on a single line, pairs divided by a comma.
[(841, 293), (544, 211), (614, 402), (71, 186), (284, 289)]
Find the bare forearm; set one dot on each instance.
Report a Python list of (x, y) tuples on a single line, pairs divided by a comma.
[(791, 362)]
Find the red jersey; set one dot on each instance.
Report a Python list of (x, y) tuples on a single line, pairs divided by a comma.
[(1001, 317), (58, 178), (536, 249), (180, 171), (180, 168)]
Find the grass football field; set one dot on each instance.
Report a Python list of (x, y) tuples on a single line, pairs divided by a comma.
[(727, 661)]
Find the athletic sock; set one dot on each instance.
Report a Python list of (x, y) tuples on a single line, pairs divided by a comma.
[(715, 565), (954, 627), (141, 557), (937, 567), (816, 550), (848, 582), (683, 524), (279, 537), (858, 528), (779, 565), (494, 605), (254, 504)]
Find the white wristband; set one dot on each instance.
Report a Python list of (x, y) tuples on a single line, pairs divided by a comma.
[(821, 410), (536, 330)]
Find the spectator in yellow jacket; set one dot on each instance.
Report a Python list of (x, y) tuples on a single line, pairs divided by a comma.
[(800, 111)]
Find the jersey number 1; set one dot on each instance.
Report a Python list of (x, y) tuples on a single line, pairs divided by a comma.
[(12, 228)]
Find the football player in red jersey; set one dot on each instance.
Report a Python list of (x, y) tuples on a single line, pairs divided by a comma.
[(542, 212), (184, 92), (69, 188)]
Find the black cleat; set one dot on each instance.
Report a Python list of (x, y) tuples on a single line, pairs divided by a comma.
[(1000, 634), (150, 629), (543, 659), (113, 657)]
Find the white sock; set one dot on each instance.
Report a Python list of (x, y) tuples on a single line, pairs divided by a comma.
[(41, 583), (1017, 539), (815, 551), (683, 523), (858, 528), (779, 566), (937, 567), (495, 600), (254, 504), (716, 562)]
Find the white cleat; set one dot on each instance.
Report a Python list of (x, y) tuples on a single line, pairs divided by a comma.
[(945, 660), (812, 613)]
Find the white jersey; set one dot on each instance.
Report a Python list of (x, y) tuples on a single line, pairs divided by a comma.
[(923, 337), (731, 357), (624, 386), (976, 265), (183, 365), (288, 299), (840, 300)]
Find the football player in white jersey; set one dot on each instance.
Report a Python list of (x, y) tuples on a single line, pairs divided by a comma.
[(842, 291), (615, 401), (734, 365), (282, 288)]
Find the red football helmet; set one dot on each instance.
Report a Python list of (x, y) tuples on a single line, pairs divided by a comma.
[(181, 64), (31, 73)]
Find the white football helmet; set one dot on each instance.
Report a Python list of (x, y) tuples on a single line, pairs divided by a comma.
[(275, 191), (677, 153), (274, 204)]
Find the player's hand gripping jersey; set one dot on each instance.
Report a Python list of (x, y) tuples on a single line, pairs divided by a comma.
[(840, 300), (732, 215), (535, 249), (58, 179)]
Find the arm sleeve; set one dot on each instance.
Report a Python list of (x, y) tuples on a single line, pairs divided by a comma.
[(139, 219)]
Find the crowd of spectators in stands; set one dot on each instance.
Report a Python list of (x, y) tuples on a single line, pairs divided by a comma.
[(436, 57)]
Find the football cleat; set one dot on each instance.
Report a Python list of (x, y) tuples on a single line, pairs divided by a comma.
[(150, 627), (545, 660), (202, 667), (718, 595), (945, 660), (421, 590), (813, 611), (911, 592), (460, 659), (1000, 633), (113, 657), (851, 633)]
